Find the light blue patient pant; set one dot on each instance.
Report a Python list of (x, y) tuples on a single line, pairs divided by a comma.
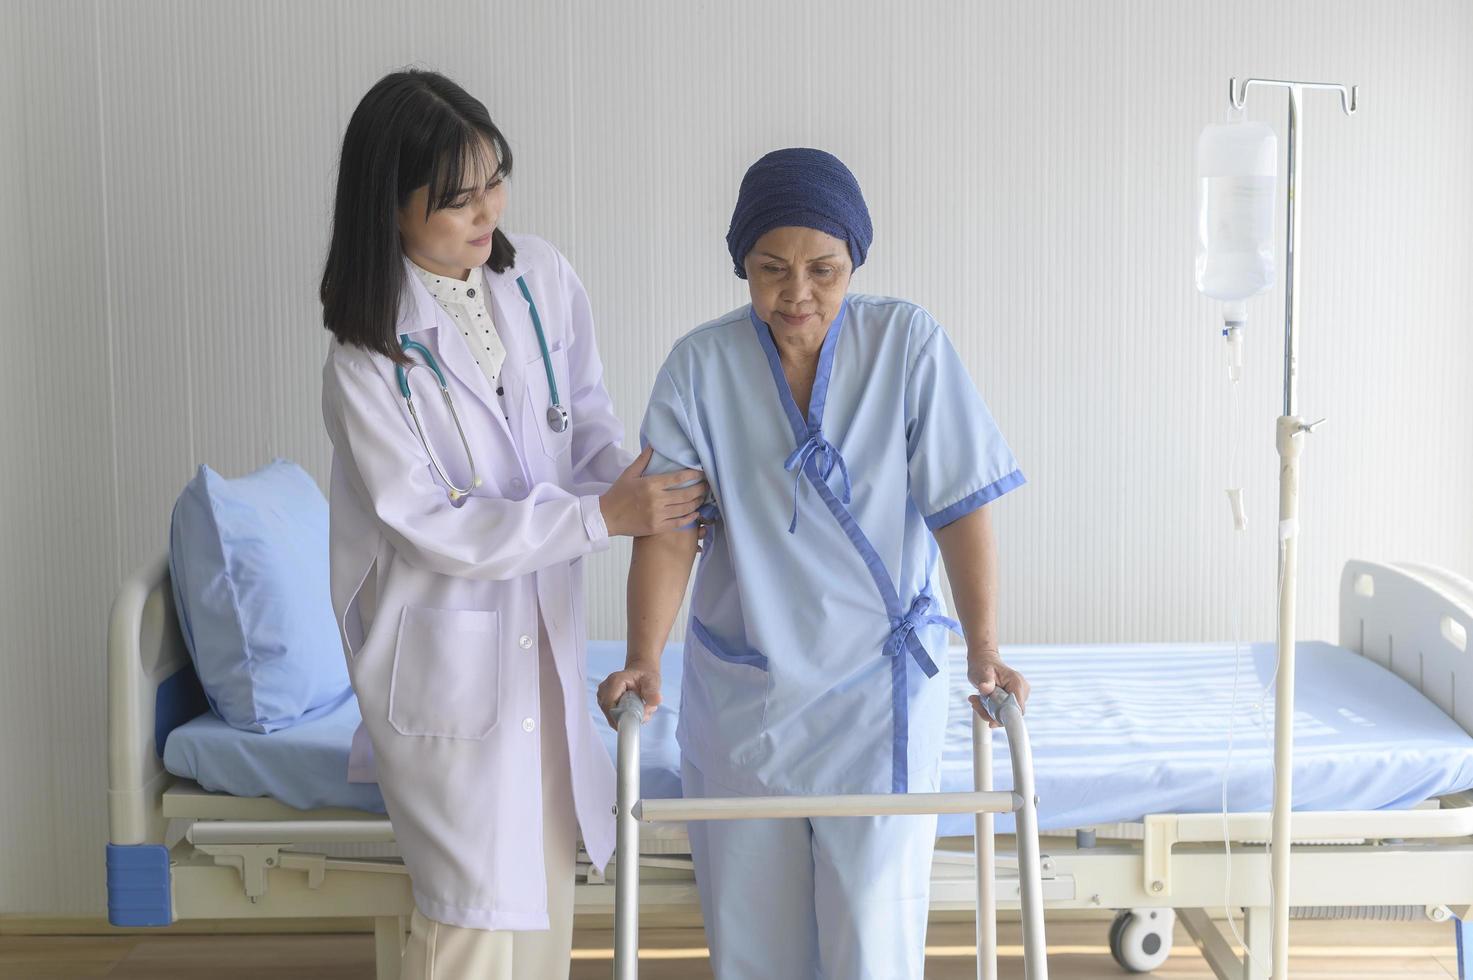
[(838, 898)]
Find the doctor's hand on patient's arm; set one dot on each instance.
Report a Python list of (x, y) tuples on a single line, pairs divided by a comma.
[(641, 680), (987, 672), (639, 505)]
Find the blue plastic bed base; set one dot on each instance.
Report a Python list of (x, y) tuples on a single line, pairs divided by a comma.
[(178, 699), (138, 885)]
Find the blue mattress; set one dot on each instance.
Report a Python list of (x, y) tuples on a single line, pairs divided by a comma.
[(1117, 731)]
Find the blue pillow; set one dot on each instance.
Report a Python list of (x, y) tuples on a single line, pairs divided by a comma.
[(249, 564)]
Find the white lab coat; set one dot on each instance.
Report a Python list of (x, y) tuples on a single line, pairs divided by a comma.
[(438, 603)]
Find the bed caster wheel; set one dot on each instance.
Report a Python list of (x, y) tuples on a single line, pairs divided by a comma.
[(1140, 939)]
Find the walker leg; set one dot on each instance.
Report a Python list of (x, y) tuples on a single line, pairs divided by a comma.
[(1030, 865), (626, 884), (986, 863), (1035, 948)]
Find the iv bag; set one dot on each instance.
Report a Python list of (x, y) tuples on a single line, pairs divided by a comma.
[(1237, 168)]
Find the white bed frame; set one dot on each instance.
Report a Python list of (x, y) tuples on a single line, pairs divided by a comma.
[(255, 858)]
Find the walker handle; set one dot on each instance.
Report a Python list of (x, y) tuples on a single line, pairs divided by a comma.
[(999, 701), (629, 702)]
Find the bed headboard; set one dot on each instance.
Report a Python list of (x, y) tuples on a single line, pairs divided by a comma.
[(145, 651), (1414, 620)]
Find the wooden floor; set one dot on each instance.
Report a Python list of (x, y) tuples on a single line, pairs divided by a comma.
[(1324, 951)]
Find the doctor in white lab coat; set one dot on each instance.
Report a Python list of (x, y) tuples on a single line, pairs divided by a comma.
[(462, 614)]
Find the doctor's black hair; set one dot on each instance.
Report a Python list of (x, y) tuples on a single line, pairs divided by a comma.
[(413, 128)]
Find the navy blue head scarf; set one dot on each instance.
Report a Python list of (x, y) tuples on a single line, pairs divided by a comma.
[(801, 188)]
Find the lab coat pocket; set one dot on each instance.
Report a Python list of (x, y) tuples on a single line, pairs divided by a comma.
[(447, 673), (539, 398)]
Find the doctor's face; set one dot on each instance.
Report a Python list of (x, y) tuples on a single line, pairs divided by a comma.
[(456, 238), (798, 278)]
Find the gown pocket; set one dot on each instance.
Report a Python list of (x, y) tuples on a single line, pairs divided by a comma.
[(447, 673), (724, 695)]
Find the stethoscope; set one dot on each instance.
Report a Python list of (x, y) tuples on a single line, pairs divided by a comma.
[(557, 416)]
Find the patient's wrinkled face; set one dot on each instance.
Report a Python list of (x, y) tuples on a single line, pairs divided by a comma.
[(798, 278)]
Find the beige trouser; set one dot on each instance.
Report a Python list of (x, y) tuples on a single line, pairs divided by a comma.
[(437, 951)]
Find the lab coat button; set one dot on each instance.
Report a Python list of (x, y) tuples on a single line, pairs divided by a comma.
[(518, 485), (526, 642), (528, 725)]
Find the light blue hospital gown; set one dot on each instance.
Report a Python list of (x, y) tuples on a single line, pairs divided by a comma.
[(814, 658)]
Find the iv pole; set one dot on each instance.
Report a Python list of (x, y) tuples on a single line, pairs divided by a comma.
[(1290, 432)]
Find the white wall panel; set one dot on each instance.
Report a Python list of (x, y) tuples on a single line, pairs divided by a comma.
[(25, 672), (71, 507)]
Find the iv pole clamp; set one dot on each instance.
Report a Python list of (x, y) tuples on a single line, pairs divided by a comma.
[(1289, 440)]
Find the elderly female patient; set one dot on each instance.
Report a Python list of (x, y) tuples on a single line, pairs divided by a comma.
[(843, 441)]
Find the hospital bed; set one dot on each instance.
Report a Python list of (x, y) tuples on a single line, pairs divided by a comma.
[(1128, 744)]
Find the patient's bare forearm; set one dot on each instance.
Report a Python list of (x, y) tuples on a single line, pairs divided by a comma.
[(969, 550), (658, 575)]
